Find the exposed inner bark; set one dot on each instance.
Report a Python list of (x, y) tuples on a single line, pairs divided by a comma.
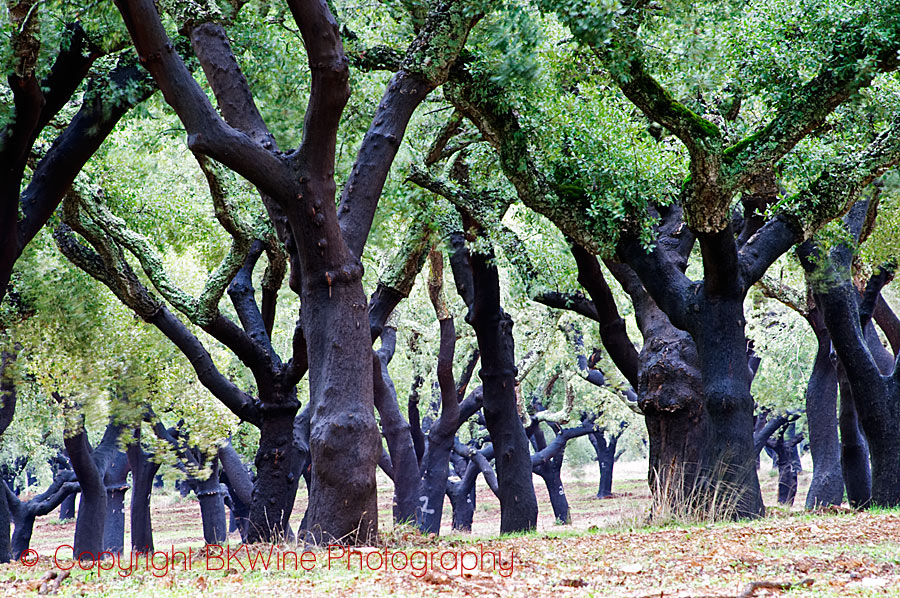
[(210, 493), (396, 430), (8, 398), (607, 456), (278, 470), (325, 244), (669, 387), (24, 513), (855, 470), (827, 485), (90, 466), (240, 487), (212, 506), (461, 490), (67, 507), (493, 328), (143, 470), (875, 393), (787, 459), (116, 479), (435, 466), (547, 462)]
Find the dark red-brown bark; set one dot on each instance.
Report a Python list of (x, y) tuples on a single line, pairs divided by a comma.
[(827, 485), (240, 488), (547, 460), (396, 431), (24, 513), (116, 482), (90, 465), (607, 455), (612, 325), (299, 190), (435, 467), (493, 328), (875, 394), (143, 470)]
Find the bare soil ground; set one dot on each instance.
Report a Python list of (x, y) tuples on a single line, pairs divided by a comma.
[(609, 549)]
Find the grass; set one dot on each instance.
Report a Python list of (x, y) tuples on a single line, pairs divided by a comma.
[(610, 549)]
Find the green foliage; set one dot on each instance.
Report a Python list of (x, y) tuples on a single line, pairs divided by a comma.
[(53, 19), (600, 154), (150, 179), (81, 344), (786, 346), (776, 45), (881, 247), (508, 39)]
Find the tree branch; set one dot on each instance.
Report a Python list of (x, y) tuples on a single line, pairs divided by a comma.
[(426, 66), (613, 332), (109, 267), (785, 294), (397, 280), (243, 298), (8, 393), (207, 132), (449, 421), (661, 277), (845, 72), (888, 322)]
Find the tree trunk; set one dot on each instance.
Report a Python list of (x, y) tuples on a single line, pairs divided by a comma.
[(5, 523), (551, 472), (732, 484), (606, 459), (90, 524), (871, 441), (301, 443), (463, 493), (114, 528), (462, 502), (240, 488), (670, 395), (874, 381), (67, 507), (787, 476), (884, 450), (433, 486), (549, 469), (344, 440), (827, 486), (787, 459), (277, 474), (116, 485), (7, 383), (397, 433), (21, 538), (23, 514), (212, 507), (493, 328), (854, 449), (435, 466), (888, 322), (239, 518), (143, 472)]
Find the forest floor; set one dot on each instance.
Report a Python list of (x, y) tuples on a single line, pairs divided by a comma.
[(610, 549)]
